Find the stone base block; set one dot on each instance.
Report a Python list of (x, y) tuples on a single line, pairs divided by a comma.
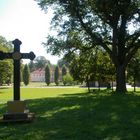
[(16, 106), (17, 112)]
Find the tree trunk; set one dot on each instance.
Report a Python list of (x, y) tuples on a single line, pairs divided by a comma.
[(120, 79), (88, 85), (112, 85), (99, 85), (134, 83)]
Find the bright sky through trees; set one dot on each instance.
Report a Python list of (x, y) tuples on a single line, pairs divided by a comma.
[(23, 19)]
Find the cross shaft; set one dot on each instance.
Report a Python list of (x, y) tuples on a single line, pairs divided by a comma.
[(17, 56)]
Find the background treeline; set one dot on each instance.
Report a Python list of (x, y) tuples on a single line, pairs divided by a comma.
[(87, 66)]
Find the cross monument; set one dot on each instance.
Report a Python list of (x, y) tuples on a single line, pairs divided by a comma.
[(16, 108), (16, 56)]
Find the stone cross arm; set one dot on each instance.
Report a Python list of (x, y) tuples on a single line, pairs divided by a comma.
[(16, 55)]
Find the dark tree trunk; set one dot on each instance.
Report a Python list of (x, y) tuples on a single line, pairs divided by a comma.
[(134, 83), (99, 85), (112, 85), (88, 85), (120, 79)]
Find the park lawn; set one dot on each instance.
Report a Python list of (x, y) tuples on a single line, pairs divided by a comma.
[(74, 114), (33, 93)]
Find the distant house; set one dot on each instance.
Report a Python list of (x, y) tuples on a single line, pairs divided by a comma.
[(39, 75)]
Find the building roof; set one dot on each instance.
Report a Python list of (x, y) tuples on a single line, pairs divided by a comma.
[(39, 71)]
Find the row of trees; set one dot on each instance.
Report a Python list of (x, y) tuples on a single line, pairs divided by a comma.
[(66, 77)]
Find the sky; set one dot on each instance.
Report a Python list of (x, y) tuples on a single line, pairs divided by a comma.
[(24, 19)]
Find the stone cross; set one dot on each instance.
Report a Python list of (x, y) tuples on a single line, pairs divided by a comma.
[(17, 56)]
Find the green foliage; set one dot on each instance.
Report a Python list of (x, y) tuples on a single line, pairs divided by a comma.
[(92, 65), (39, 62), (26, 75), (5, 46), (67, 79), (83, 66), (6, 71), (47, 75), (6, 67), (105, 69), (133, 70), (82, 25), (56, 75)]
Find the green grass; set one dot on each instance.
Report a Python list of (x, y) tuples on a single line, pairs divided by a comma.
[(34, 93), (74, 114), (43, 84)]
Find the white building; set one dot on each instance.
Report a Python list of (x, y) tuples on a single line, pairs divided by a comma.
[(38, 75)]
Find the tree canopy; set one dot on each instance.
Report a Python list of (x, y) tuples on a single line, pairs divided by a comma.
[(40, 62), (113, 25)]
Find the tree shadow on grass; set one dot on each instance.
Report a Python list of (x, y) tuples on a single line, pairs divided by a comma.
[(78, 117)]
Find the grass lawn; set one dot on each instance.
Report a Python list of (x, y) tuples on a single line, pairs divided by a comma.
[(74, 114), (42, 84)]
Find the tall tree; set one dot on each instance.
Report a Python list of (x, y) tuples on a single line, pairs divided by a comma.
[(64, 71), (105, 71), (56, 75), (102, 23), (21, 70), (26, 75), (47, 75), (83, 67)]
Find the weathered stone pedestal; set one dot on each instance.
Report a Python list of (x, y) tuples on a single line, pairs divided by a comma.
[(17, 112)]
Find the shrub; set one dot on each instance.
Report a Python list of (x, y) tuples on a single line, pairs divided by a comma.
[(67, 79)]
